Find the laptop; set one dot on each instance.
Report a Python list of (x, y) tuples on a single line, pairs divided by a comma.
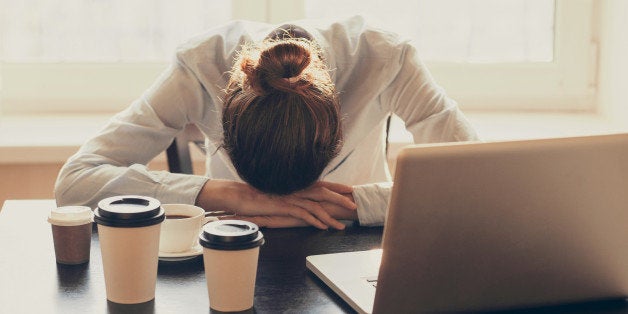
[(494, 226)]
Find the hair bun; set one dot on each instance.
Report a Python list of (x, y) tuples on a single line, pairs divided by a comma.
[(279, 67), (291, 66)]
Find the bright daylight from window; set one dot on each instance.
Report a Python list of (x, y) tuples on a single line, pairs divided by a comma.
[(460, 30), (102, 31), (487, 54), (149, 30)]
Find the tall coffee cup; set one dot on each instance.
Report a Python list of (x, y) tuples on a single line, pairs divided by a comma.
[(71, 233), (230, 254), (128, 230)]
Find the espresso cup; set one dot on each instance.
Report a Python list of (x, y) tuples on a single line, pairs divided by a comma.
[(71, 233), (230, 254), (128, 230), (180, 230)]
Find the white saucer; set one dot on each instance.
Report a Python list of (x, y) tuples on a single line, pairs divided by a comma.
[(181, 256)]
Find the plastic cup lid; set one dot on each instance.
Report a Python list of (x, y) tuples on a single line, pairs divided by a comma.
[(231, 235), (129, 211), (70, 215)]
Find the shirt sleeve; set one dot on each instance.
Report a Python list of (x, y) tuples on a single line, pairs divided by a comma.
[(114, 161), (372, 201), (429, 114)]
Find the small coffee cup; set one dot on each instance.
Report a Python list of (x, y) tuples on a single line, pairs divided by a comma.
[(230, 254), (71, 233), (180, 230), (128, 230)]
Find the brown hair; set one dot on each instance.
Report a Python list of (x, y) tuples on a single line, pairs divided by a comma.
[(281, 117)]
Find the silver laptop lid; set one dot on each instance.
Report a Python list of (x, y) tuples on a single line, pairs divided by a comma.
[(476, 226)]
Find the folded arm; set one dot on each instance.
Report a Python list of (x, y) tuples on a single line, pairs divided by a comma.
[(320, 205), (114, 161)]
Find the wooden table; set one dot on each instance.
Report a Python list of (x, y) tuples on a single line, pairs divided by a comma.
[(31, 281)]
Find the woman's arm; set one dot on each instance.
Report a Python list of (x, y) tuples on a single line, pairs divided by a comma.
[(114, 161), (413, 95), (429, 114), (320, 205)]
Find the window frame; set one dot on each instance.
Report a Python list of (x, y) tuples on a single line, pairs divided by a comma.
[(35, 88), (534, 86)]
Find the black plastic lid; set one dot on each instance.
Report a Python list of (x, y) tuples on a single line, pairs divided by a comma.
[(129, 211), (231, 235)]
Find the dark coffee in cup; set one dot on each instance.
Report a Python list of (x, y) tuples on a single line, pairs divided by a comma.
[(177, 217), (128, 229), (230, 253)]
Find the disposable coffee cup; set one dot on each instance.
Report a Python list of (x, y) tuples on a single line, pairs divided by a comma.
[(71, 233), (230, 253), (180, 230), (128, 230)]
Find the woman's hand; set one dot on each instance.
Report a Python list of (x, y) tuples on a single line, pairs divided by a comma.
[(316, 205), (334, 210)]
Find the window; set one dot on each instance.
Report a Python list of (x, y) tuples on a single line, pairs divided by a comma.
[(491, 31), (70, 56), (102, 31), (494, 54)]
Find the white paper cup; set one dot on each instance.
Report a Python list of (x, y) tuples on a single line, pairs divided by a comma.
[(181, 234), (128, 230), (230, 255)]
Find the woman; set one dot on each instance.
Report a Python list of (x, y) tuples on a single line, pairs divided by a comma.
[(303, 109)]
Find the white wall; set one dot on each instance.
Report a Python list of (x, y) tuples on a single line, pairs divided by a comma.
[(613, 67)]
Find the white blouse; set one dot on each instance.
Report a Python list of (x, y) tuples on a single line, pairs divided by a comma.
[(375, 73)]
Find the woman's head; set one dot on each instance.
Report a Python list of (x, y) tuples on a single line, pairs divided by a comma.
[(281, 118)]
